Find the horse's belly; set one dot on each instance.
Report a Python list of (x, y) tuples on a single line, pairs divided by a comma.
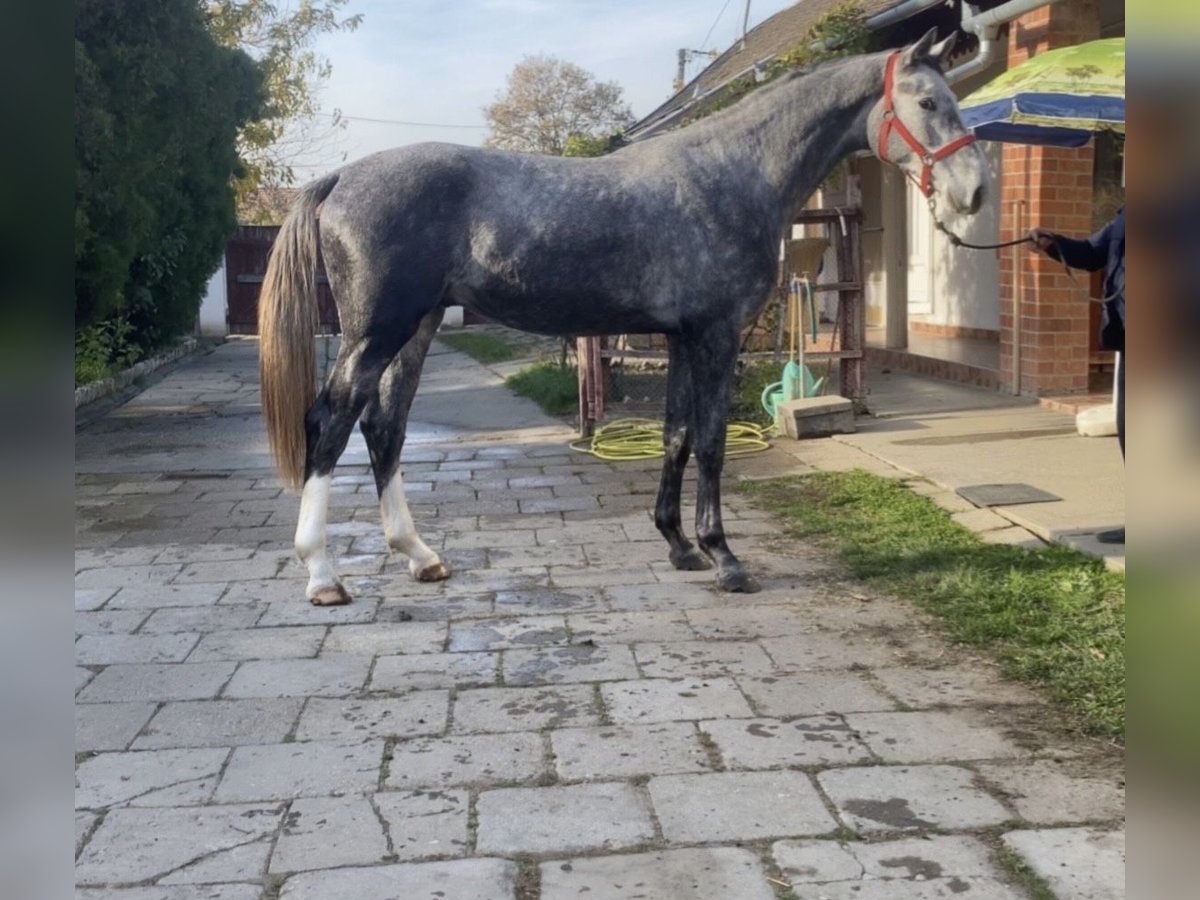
[(577, 311)]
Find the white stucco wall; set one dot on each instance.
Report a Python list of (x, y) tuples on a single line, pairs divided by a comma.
[(214, 307), (966, 283)]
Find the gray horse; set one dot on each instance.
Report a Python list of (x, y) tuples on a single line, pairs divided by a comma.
[(677, 235)]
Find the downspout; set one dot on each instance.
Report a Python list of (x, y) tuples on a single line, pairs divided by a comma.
[(986, 26)]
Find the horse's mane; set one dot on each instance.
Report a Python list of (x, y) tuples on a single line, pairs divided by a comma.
[(748, 104)]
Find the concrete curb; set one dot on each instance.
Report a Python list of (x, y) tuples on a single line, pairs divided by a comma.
[(97, 390)]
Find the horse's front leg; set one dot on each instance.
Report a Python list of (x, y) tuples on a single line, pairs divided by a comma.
[(715, 354), (384, 426), (677, 448)]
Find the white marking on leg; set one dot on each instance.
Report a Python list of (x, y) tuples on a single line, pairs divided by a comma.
[(310, 535), (400, 531)]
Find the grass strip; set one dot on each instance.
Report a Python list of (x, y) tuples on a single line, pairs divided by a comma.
[(1052, 616), (484, 348), (553, 387)]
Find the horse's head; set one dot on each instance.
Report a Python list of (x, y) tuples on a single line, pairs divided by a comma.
[(916, 127)]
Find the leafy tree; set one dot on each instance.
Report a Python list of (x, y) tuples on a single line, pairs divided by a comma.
[(547, 102), (157, 108), (287, 130)]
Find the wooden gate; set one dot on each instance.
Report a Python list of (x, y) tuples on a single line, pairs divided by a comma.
[(245, 263)]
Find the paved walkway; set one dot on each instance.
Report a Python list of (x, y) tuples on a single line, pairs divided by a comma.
[(566, 717)]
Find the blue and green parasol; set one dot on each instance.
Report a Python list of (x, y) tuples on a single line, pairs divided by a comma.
[(1061, 97)]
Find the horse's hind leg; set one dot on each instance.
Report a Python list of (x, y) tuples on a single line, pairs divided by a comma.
[(714, 355), (351, 383), (384, 424), (677, 447)]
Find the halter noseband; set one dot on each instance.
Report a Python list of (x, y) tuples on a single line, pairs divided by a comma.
[(891, 120)]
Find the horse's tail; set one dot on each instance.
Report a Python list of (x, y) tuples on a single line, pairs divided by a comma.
[(287, 320)]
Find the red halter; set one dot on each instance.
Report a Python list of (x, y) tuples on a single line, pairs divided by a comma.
[(891, 120)]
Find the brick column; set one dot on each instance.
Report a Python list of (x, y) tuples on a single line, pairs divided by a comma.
[(1056, 187)]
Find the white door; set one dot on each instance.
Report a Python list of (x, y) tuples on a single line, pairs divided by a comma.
[(919, 223)]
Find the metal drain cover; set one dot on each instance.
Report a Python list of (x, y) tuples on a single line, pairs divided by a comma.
[(1005, 494)]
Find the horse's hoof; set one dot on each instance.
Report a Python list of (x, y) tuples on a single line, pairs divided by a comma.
[(334, 595), (738, 582), (436, 572), (691, 560)]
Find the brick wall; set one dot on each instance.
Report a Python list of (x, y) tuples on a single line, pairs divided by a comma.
[(1055, 185)]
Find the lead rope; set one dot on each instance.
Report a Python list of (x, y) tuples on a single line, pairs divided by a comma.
[(959, 242)]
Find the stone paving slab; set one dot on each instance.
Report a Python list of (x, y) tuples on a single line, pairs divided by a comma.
[(301, 769), (775, 743), (327, 832), (1078, 863), (914, 869), (717, 873), (567, 716), (738, 806), (479, 879), (487, 759), (220, 723), (602, 816), (902, 798)]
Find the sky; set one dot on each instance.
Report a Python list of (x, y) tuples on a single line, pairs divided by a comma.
[(439, 62)]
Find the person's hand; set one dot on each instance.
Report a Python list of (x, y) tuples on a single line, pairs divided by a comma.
[(1042, 239)]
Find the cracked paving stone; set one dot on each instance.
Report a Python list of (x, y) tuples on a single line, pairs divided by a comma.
[(414, 714), (326, 832), (920, 737), (1059, 792), (477, 879), (467, 759), (107, 649), (772, 743), (220, 723), (259, 643), (328, 676), (152, 596), (157, 681), (627, 627), (1076, 862), (676, 699), (175, 892), (426, 823), (716, 873), (182, 844), (735, 806), (499, 634), (611, 751), (574, 663), (901, 798), (423, 671), (700, 659), (309, 769), (116, 621), (564, 819), (524, 709), (148, 778), (813, 693), (202, 618), (938, 866), (386, 638), (109, 726)]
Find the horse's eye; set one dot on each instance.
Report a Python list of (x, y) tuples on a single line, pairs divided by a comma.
[(927, 103)]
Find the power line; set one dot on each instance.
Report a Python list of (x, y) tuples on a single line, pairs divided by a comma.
[(399, 122), (704, 43)]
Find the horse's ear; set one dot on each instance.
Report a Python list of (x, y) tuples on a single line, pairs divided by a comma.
[(941, 51), (919, 51)]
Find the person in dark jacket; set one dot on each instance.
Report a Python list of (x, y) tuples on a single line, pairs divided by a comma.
[(1103, 250)]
